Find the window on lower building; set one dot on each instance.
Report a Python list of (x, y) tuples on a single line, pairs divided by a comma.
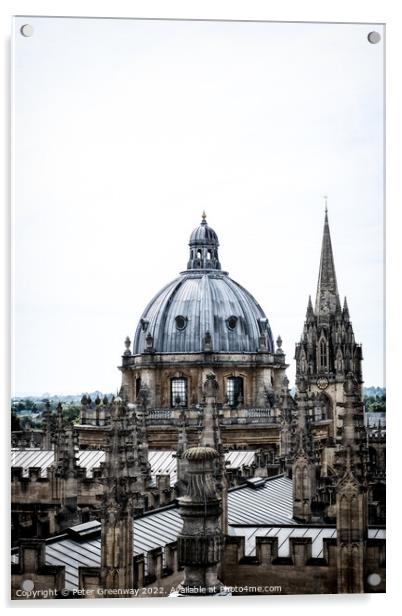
[(234, 391), (178, 392)]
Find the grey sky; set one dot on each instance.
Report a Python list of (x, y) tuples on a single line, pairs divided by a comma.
[(124, 131)]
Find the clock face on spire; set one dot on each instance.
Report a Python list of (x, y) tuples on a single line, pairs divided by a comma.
[(322, 382)]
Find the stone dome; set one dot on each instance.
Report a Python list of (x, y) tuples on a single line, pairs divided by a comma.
[(203, 309)]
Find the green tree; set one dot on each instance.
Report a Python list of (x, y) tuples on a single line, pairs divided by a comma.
[(15, 423)]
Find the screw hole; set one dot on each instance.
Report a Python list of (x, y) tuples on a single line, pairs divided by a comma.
[(26, 30), (374, 579), (374, 37)]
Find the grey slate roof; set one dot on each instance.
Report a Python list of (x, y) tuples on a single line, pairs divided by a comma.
[(285, 533), (162, 462), (72, 554), (271, 504), (259, 508), (206, 299)]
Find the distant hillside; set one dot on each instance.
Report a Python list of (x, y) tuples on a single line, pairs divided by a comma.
[(370, 393), (56, 398)]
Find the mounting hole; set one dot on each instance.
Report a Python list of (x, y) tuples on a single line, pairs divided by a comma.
[(374, 37), (27, 30), (27, 585), (374, 579)]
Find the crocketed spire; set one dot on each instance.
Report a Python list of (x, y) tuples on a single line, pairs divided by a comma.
[(327, 299)]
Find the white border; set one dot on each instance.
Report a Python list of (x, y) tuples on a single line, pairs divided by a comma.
[(379, 11)]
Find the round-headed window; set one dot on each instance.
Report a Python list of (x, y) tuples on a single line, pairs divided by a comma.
[(181, 322), (231, 322)]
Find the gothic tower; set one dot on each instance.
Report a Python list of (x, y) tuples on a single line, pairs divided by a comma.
[(327, 350)]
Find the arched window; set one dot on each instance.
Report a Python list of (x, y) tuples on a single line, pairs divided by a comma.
[(178, 391), (234, 391), (199, 254), (323, 354), (209, 255)]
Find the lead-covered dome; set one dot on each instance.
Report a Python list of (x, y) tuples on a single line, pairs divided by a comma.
[(203, 309)]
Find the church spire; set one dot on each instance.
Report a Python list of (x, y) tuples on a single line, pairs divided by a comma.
[(309, 311), (346, 310), (327, 298)]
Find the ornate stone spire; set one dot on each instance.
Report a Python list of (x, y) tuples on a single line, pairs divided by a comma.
[(47, 427), (122, 485), (182, 446), (204, 247), (304, 470), (66, 467), (346, 315), (211, 437), (327, 298), (351, 494), (58, 437), (309, 311), (210, 434), (200, 541)]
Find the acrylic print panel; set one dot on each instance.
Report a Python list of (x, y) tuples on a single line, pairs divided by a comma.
[(184, 418)]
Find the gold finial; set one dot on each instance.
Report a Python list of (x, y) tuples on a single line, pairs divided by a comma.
[(204, 216)]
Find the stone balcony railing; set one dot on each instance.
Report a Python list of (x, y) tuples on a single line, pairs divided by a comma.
[(227, 416)]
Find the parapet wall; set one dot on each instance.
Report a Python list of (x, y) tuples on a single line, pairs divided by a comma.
[(299, 573)]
